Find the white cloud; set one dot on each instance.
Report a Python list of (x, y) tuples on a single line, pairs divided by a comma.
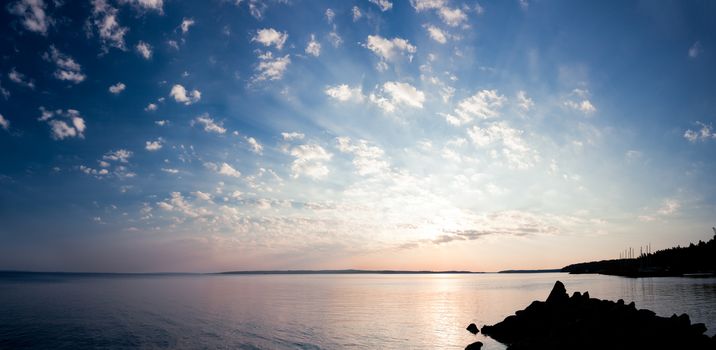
[(60, 130), (152, 146), (156, 5), (209, 124), (524, 4), (384, 5), (584, 106), (181, 95), (161, 122), (703, 134), (77, 122), (90, 171), (185, 24), (117, 88), (396, 94), (452, 17), (335, 39), (367, 159), (4, 92), (437, 34), (484, 104), (170, 170), (20, 78), (202, 195), (390, 49), (632, 155), (582, 102), (144, 50), (67, 68), (382, 102), (104, 18), (669, 207), (120, 155), (270, 68), (33, 15), (270, 36), (177, 203), (256, 147), (4, 123), (356, 13), (695, 50), (314, 47), (70, 125), (509, 142), (404, 94), (330, 15), (422, 5), (228, 170), (151, 107), (292, 136), (344, 93), (524, 102), (256, 7), (309, 161)]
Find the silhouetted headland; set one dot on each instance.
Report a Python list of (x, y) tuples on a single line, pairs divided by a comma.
[(695, 260), (581, 322)]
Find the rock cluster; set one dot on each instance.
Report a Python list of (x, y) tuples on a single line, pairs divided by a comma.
[(581, 322)]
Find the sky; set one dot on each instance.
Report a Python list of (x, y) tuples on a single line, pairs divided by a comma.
[(197, 136)]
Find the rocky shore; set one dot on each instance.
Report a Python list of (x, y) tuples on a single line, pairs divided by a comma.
[(581, 322)]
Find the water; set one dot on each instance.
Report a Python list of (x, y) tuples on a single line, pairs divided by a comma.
[(301, 311)]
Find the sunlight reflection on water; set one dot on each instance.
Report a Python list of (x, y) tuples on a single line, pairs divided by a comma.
[(303, 311)]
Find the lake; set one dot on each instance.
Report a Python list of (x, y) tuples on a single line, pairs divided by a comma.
[(361, 311)]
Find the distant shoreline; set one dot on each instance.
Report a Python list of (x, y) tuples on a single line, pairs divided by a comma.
[(6, 273), (10, 273), (695, 260), (342, 272)]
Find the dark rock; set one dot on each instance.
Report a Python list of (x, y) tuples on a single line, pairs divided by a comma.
[(472, 328), (558, 293), (587, 323), (698, 328), (474, 346)]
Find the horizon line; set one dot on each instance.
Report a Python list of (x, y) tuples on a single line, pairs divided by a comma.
[(280, 272)]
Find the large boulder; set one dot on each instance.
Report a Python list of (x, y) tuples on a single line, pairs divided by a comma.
[(474, 346), (558, 294)]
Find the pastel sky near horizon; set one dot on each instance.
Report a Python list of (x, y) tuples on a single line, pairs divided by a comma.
[(164, 135)]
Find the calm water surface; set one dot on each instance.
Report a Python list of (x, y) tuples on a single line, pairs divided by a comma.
[(302, 311)]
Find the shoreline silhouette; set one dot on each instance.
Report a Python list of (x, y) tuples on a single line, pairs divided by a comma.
[(696, 260)]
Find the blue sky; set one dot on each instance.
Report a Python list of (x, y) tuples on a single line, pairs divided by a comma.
[(150, 135)]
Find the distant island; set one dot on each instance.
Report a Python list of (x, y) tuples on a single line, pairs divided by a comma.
[(695, 260)]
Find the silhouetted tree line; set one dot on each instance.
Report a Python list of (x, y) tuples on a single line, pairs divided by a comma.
[(676, 261)]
